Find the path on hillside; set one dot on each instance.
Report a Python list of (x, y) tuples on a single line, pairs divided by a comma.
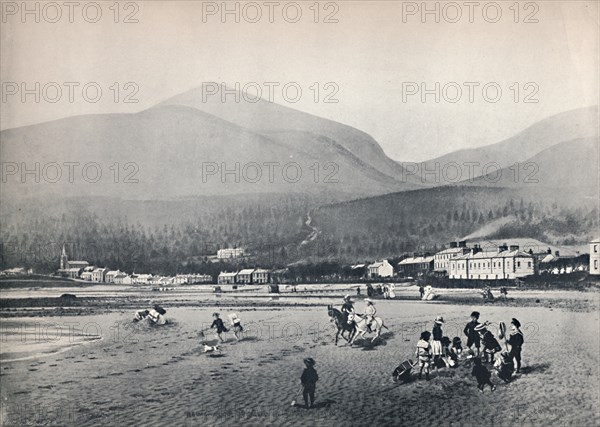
[(313, 234)]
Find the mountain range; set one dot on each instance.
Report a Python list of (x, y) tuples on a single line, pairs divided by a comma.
[(189, 159), (565, 129)]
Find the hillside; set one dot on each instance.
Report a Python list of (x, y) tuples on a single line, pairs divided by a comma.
[(425, 219), (561, 128), (572, 165), (168, 147), (281, 123)]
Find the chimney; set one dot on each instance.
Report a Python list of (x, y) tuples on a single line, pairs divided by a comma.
[(502, 248), (476, 249), (462, 244), (453, 245), (514, 248)]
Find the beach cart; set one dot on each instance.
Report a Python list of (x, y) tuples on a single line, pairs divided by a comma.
[(402, 372)]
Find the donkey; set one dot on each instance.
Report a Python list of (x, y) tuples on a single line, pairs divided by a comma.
[(361, 326), (341, 323)]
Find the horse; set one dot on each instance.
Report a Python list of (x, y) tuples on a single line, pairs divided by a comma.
[(361, 326), (341, 323)]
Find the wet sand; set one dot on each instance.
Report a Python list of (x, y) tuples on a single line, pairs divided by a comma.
[(139, 374)]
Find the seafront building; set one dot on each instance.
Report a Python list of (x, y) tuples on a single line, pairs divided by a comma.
[(505, 263), (416, 265), (442, 258), (226, 278), (380, 269)]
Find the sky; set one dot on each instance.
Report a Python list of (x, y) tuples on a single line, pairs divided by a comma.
[(368, 70)]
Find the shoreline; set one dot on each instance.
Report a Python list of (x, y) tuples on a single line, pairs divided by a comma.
[(576, 301)]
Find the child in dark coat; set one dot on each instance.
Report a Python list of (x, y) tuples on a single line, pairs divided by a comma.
[(482, 375), (490, 344), (516, 341), (309, 380), (473, 338), (218, 323)]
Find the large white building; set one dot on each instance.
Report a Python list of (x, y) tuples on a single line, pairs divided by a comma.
[(230, 253), (595, 257), (380, 269), (441, 260), (505, 263)]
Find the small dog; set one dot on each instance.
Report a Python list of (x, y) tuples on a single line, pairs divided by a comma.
[(211, 348)]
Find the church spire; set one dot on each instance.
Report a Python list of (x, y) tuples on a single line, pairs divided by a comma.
[(64, 260)]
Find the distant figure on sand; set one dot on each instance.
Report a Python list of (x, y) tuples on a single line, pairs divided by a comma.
[(309, 380), (421, 291), (218, 323), (473, 338), (358, 291), (482, 374), (516, 341), (424, 354)]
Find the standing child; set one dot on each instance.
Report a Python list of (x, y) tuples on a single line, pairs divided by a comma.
[(516, 341), (436, 342), (236, 325), (309, 380), (218, 323), (482, 374), (424, 353), (472, 336)]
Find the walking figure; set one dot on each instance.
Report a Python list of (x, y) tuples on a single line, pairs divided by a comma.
[(309, 380)]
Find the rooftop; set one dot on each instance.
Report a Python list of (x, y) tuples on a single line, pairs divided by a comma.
[(416, 260)]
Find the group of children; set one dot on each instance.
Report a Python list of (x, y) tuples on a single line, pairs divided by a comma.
[(435, 349), (236, 325)]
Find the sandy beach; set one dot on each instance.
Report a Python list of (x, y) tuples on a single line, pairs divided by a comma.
[(141, 374)]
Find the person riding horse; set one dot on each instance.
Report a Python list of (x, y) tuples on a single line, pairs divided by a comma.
[(347, 307), (370, 312)]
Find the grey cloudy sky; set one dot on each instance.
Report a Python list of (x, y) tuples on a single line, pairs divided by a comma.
[(370, 54)]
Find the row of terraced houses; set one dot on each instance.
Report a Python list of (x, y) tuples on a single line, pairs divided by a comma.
[(84, 271)]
